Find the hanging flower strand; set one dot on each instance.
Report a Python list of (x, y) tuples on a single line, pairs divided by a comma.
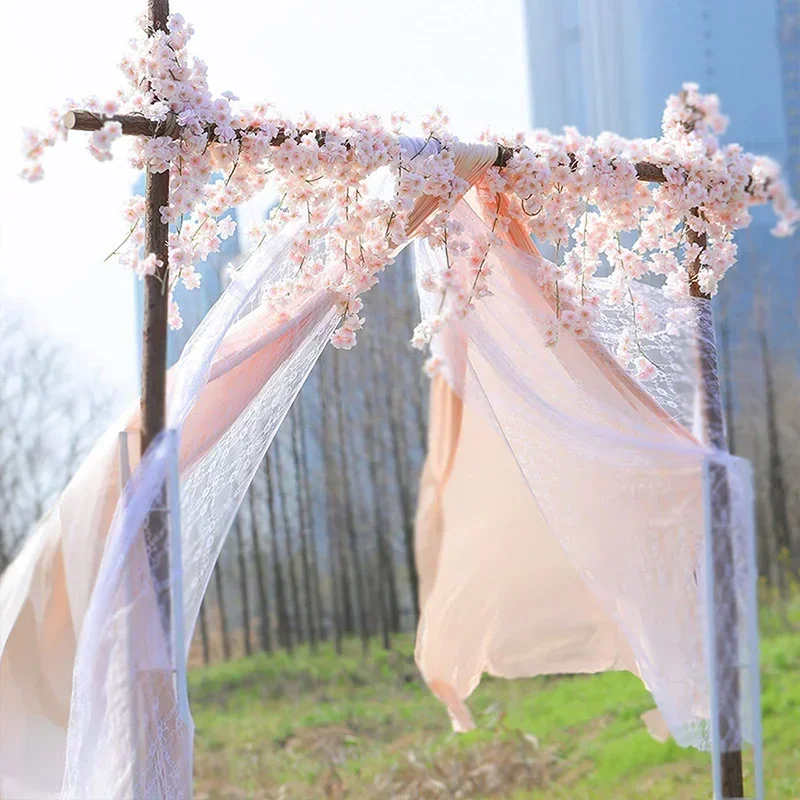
[(581, 195), (587, 192)]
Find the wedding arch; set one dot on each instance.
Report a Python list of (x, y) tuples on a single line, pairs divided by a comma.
[(578, 509)]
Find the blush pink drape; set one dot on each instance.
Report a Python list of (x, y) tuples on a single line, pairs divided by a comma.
[(562, 508), (85, 712), (46, 591)]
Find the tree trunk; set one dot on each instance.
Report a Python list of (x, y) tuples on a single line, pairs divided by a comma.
[(318, 609), (410, 317), (204, 633), (237, 526), (153, 405), (264, 628), (398, 442), (330, 522), (337, 499), (788, 555), (305, 556), (355, 555), (295, 618), (712, 419), (386, 598), (284, 630), (223, 615), (386, 554), (727, 369), (345, 583)]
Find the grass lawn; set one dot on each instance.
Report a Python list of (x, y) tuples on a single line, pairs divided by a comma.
[(322, 726)]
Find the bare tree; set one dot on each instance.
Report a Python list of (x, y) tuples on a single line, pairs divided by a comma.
[(407, 316), (723, 325), (765, 414), (50, 416), (303, 527), (224, 628), (777, 485), (399, 447), (385, 587), (296, 617), (264, 630), (354, 553), (243, 584), (284, 627), (338, 592), (204, 639), (308, 504)]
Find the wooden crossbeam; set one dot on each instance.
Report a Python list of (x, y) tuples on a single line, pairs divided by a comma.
[(137, 125)]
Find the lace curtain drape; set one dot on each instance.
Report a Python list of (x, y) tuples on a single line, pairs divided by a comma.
[(564, 506)]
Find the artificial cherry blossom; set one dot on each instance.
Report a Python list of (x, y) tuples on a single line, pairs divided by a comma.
[(579, 195)]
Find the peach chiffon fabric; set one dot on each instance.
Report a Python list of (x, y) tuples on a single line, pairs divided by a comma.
[(497, 591), (45, 594), (555, 491)]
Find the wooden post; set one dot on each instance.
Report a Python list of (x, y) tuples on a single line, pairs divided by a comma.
[(154, 353), (726, 640)]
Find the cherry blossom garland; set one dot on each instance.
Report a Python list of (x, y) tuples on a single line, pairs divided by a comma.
[(580, 195)]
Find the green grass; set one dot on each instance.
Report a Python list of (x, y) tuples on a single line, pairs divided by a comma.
[(322, 726)]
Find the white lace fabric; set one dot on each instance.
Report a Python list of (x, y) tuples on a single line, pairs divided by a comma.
[(564, 508)]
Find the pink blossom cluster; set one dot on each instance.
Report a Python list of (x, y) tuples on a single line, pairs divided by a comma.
[(580, 195), (583, 197), (464, 279)]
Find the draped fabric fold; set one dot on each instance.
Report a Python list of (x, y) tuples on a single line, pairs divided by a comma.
[(79, 619), (85, 710), (78, 605), (562, 505)]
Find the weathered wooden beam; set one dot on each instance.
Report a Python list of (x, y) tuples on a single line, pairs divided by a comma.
[(651, 173), (154, 354), (132, 124), (137, 125), (725, 645)]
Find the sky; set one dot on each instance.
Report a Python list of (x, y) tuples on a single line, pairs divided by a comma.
[(354, 55)]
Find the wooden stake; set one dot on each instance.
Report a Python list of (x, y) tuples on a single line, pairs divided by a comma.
[(154, 353), (137, 125), (726, 640)]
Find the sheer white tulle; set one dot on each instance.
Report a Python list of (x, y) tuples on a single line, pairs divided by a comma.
[(130, 733), (228, 394), (624, 492), (624, 488)]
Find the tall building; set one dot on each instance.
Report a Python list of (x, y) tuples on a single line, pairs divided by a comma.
[(194, 304), (580, 58), (789, 49), (610, 64)]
